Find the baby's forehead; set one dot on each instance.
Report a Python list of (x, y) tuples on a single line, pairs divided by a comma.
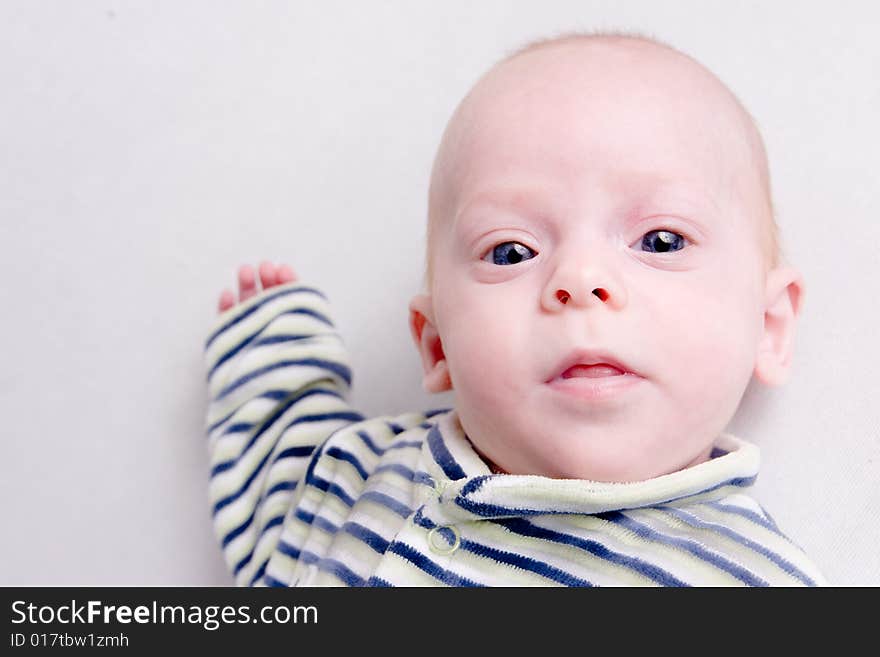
[(579, 82), (614, 110)]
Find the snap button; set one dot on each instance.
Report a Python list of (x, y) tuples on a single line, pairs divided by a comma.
[(445, 547)]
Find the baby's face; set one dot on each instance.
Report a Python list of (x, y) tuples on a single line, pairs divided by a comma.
[(600, 206)]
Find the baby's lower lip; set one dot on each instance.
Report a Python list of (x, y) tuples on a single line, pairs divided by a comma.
[(597, 387)]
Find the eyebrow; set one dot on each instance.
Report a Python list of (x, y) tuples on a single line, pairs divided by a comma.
[(513, 197), (646, 188)]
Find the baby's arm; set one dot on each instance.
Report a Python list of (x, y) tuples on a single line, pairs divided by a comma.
[(278, 373)]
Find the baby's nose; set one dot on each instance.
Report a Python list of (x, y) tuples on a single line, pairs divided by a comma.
[(564, 296), (579, 285)]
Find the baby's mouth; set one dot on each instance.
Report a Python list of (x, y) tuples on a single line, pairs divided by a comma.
[(591, 371)]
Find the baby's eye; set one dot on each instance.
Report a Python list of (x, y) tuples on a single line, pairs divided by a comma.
[(661, 241), (510, 253)]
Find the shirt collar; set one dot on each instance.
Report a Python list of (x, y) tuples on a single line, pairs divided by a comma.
[(464, 488)]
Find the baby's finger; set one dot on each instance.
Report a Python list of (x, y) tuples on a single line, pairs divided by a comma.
[(285, 274), (247, 284), (267, 274), (227, 300)]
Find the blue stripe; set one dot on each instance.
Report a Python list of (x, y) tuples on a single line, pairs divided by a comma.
[(442, 456), (322, 484), (288, 549), (368, 536), (333, 567), (228, 416), (402, 470), (387, 501), (756, 518), (378, 582), (276, 395), (281, 337), (260, 571), (351, 416), (241, 564), (693, 547), (221, 467), (402, 444), (645, 568), (783, 563), (742, 482), (273, 522), (340, 370), (770, 518), (511, 558), (341, 571), (310, 468), (282, 485), (423, 563), (379, 451), (237, 427), (212, 427), (309, 558), (295, 452), (254, 339), (302, 451), (526, 563), (268, 580), (246, 313), (333, 489), (348, 457), (236, 532), (435, 411), (322, 523), (281, 394), (365, 438)]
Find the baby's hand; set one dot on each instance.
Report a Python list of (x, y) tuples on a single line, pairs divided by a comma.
[(270, 276)]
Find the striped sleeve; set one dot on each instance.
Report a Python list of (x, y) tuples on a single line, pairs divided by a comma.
[(278, 375)]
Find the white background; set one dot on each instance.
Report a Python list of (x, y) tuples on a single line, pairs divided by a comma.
[(149, 148)]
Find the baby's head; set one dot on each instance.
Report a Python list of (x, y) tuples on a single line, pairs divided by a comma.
[(601, 199)]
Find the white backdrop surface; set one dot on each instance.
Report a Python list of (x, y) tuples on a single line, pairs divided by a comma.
[(149, 148)]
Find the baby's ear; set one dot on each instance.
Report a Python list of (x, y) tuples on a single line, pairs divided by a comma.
[(424, 332), (783, 301)]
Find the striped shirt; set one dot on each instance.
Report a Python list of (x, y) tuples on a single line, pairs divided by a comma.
[(307, 491)]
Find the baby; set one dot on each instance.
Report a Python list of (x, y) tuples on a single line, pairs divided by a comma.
[(603, 280)]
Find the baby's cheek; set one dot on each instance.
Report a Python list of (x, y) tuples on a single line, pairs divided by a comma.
[(483, 357), (713, 350)]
